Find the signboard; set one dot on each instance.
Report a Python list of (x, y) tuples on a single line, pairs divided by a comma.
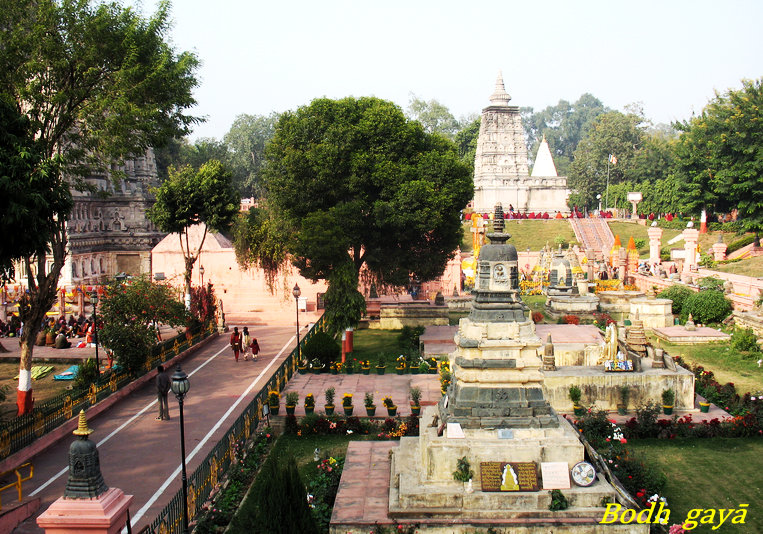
[(509, 476), (556, 475), (618, 365)]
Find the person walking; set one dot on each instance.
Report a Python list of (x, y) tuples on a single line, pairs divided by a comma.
[(162, 389), (235, 342), (255, 349), (245, 342)]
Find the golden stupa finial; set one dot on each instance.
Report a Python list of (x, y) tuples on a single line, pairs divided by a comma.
[(82, 429)]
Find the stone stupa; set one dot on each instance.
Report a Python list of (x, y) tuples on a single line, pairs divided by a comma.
[(495, 415)]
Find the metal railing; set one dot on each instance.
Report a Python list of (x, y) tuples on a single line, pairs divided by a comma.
[(19, 479), (46, 416), (203, 480)]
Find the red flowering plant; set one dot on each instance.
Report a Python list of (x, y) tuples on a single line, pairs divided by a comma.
[(203, 307)]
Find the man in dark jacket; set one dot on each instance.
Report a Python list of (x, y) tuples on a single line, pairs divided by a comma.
[(162, 388)]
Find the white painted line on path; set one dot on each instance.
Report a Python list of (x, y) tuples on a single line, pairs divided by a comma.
[(121, 427), (135, 518)]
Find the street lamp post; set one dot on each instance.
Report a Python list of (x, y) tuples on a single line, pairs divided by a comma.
[(94, 300), (297, 292), (201, 272), (180, 386)]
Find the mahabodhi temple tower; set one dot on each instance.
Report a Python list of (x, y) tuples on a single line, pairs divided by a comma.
[(500, 165)]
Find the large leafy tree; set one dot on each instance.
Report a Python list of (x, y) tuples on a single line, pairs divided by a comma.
[(189, 197), (96, 83), (613, 133), (246, 142), (131, 314), (433, 116), (564, 126), (357, 184), (719, 156)]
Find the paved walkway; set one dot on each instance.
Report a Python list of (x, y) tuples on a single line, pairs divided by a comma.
[(140, 455)]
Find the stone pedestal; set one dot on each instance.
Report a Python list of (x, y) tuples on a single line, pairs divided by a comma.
[(719, 251), (655, 313), (690, 247), (105, 514), (655, 243)]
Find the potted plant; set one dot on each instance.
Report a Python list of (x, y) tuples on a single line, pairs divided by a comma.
[(415, 393), (400, 367), (423, 367), (274, 399), (575, 395), (704, 406), (292, 398), (368, 400), (380, 366), (365, 366), (347, 404), (668, 400), (432, 365), (349, 366), (329, 395), (391, 408), (413, 368), (622, 406), (303, 367), (463, 472), (333, 368), (316, 366), (309, 403)]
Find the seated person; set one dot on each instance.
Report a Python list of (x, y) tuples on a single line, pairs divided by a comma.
[(61, 341)]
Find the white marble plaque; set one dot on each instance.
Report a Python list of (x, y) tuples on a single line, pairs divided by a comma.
[(454, 431), (505, 433), (556, 475)]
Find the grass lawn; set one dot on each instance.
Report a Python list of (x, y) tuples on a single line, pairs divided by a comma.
[(709, 473), (727, 364), (528, 233), (374, 344), (535, 302), (302, 448), (749, 267), (44, 389)]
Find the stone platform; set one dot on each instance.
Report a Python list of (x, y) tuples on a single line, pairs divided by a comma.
[(679, 335)]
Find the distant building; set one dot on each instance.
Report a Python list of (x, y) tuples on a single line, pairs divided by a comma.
[(500, 165)]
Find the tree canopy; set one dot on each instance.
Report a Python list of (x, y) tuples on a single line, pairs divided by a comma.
[(719, 156), (433, 116), (189, 197), (246, 142), (355, 183)]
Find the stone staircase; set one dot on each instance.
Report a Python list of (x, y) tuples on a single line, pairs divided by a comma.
[(594, 234)]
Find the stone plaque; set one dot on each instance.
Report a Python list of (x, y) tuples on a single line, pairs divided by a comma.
[(509, 476), (505, 433), (556, 475)]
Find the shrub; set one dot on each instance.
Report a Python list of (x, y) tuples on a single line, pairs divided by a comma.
[(739, 243), (711, 282), (668, 397), (322, 347), (706, 307), (744, 339), (678, 294), (537, 316), (575, 394), (86, 374), (640, 243), (571, 319), (408, 339), (560, 240)]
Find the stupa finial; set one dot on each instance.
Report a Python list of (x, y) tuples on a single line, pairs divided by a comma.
[(500, 97)]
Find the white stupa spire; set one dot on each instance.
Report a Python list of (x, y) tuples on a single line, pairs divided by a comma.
[(500, 97), (544, 163)]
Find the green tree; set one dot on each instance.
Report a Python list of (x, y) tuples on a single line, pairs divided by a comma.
[(354, 181), (611, 133), (433, 116), (564, 126), (466, 141), (246, 142), (189, 197), (719, 156), (344, 304), (96, 83), (131, 314)]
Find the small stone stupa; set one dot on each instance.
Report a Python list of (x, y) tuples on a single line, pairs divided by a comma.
[(495, 417)]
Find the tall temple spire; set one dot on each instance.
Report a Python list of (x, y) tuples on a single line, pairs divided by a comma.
[(500, 97)]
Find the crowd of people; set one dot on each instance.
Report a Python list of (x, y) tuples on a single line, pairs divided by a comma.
[(65, 332)]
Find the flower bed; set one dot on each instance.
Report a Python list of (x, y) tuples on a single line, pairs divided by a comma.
[(316, 424)]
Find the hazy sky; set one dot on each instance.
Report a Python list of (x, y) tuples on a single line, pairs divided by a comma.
[(261, 56)]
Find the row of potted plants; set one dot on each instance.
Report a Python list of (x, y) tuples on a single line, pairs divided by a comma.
[(292, 398), (668, 401), (351, 366)]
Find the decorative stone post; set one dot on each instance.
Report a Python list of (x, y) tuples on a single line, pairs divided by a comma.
[(634, 199), (719, 249), (655, 243), (690, 247), (549, 360), (88, 505)]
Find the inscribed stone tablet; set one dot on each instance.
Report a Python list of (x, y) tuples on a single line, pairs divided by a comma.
[(505, 433), (509, 476), (454, 431), (556, 475)]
